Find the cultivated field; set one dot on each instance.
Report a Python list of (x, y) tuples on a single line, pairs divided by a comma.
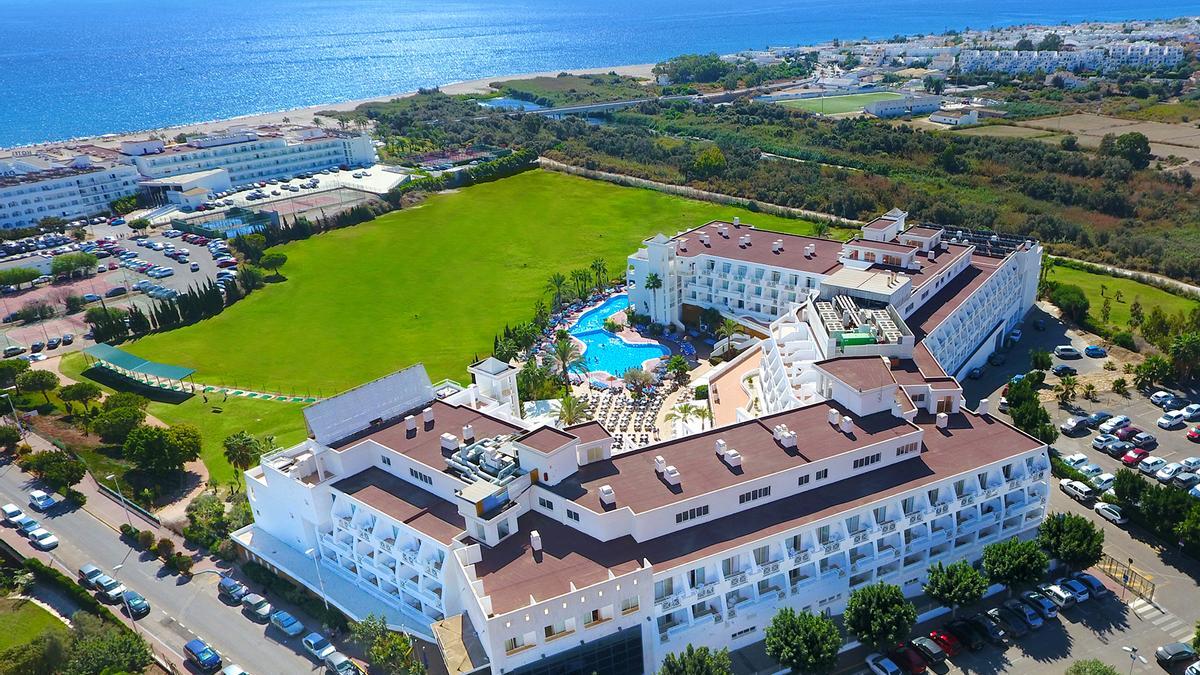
[(832, 105), (1180, 140), (1007, 131), (431, 284)]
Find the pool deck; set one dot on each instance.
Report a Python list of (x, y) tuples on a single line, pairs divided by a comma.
[(627, 334)]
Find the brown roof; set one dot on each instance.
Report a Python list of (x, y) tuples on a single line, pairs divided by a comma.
[(546, 439), (425, 444), (759, 251), (511, 573), (941, 260), (924, 359), (880, 223), (864, 373), (639, 487), (405, 502), (588, 432), (951, 296), (882, 245), (921, 231)]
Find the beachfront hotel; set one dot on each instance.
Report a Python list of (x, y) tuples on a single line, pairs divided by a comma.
[(526, 548), (65, 184)]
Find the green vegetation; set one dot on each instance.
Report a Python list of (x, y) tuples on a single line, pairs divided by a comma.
[(1179, 112), (1098, 287), (832, 105), (879, 615), (432, 284), (21, 621), (802, 641), (693, 661), (567, 89)]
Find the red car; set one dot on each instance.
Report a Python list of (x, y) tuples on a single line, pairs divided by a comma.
[(1135, 456), (908, 659), (947, 642), (1127, 433), (1193, 434), (112, 266), (225, 264)]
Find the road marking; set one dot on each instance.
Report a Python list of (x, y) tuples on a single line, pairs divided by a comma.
[(1162, 619), (1168, 627), (1184, 633)]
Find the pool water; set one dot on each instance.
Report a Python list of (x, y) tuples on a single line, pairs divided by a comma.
[(606, 351)]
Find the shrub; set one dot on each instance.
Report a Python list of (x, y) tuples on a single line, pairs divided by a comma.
[(701, 393), (145, 539), (183, 563), (81, 597), (227, 550), (114, 425), (1124, 339), (73, 495), (165, 547)]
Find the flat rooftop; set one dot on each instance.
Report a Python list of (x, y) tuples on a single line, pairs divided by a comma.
[(952, 295), (405, 502), (511, 572), (863, 373), (640, 488), (824, 261)]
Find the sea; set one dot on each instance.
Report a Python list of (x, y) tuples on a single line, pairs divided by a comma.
[(71, 68)]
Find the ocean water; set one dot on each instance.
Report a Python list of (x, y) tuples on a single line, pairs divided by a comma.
[(81, 67)]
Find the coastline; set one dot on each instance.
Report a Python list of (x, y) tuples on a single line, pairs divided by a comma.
[(305, 114)]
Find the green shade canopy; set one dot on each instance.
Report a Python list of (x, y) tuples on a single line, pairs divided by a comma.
[(133, 363)]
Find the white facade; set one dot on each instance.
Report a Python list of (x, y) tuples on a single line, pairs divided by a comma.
[(33, 188), (955, 118), (1109, 57)]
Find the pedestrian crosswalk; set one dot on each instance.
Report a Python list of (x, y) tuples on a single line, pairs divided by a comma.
[(1179, 629)]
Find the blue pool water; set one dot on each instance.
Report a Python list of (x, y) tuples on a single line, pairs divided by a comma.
[(605, 351)]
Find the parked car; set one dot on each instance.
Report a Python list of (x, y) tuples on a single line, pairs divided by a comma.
[(966, 633), (1009, 621), (1151, 465), (1168, 472), (12, 513), (1063, 369), (88, 574), (234, 669), (256, 607), (1103, 482), (1043, 605), (1076, 460), (997, 359), (231, 590), (1058, 595), (41, 501), (1067, 352), (25, 525), (949, 644), (115, 291), (1158, 397), (1103, 441), (1074, 425), (108, 588), (1099, 417), (1172, 419), (1076, 490), (13, 350), (908, 659), (1076, 589), (137, 605), (1024, 612), (1114, 423), (42, 539), (204, 657), (1110, 512), (1175, 403), (1127, 433), (1185, 480), (1144, 440), (1096, 589), (1135, 456), (338, 663), (1191, 464), (993, 632), (319, 647), (929, 649), (287, 623), (1174, 652), (1118, 449)]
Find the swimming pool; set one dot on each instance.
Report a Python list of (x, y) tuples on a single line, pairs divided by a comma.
[(606, 351)]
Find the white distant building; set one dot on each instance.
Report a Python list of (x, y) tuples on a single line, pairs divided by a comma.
[(530, 548), (36, 185), (955, 118), (907, 105), (1106, 58)]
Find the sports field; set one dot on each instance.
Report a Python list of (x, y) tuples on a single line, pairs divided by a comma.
[(832, 105), (432, 284)]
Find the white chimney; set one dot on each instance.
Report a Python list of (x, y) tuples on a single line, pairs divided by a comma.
[(704, 238), (660, 464), (847, 424), (733, 458), (449, 441), (535, 540), (943, 420), (468, 433), (410, 423), (672, 475), (428, 415), (788, 440), (683, 244), (833, 417), (737, 221), (608, 496), (984, 407), (812, 250), (931, 255), (721, 447)]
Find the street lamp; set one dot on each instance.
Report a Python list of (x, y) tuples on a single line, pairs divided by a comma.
[(125, 598), (125, 505), (312, 552), (1134, 657)]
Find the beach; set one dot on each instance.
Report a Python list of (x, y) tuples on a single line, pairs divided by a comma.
[(305, 115)]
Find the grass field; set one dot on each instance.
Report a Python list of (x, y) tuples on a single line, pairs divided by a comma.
[(1130, 289), (21, 621), (432, 284), (216, 419), (1004, 131), (1183, 111), (832, 105)]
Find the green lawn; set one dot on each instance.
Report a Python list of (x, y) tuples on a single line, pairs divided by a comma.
[(432, 284), (831, 105), (21, 621), (1149, 296), (216, 419)]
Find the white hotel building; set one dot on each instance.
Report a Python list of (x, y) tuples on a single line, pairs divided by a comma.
[(37, 185), (530, 549)]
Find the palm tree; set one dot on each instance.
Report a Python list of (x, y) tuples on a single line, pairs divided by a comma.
[(1066, 389), (583, 282), (557, 284), (682, 412), (653, 283), (242, 451), (727, 330), (572, 410), (679, 367), (601, 269), (1089, 391), (568, 357), (703, 414)]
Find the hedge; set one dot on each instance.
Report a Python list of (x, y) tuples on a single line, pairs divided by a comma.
[(77, 593), (300, 597)]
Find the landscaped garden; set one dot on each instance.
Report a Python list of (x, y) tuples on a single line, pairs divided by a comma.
[(22, 620)]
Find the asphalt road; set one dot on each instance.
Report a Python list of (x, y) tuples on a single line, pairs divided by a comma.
[(182, 608)]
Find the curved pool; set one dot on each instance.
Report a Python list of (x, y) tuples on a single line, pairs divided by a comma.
[(604, 351)]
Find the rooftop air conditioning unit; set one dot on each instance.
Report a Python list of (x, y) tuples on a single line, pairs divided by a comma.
[(428, 415), (660, 464), (410, 423), (733, 458), (737, 221), (608, 496), (672, 475), (931, 255), (468, 433), (984, 407), (722, 447), (704, 238), (847, 424), (683, 244), (535, 540), (449, 441), (943, 420), (834, 417)]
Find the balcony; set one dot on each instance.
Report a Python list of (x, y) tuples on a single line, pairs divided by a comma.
[(989, 517), (802, 582), (916, 544), (940, 534), (967, 525)]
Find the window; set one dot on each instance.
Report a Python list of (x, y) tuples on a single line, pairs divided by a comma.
[(556, 629), (762, 555), (907, 448), (823, 534), (420, 476), (696, 577), (754, 494), (629, 605), (594, 616), (908, 504), (822, 474), (691, 514), (744, 631), (731, 565), (387, 461), (572, 515), (866, 461), (960, 487), (545, 503), (803, 479), (853, 524), (664, 588), (512, 644), (1007, 469)]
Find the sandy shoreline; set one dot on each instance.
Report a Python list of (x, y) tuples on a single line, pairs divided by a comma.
[(305, 114)]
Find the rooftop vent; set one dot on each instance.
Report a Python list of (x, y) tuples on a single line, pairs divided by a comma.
[(608, 496), (449, 441), (777, 246), (943, 420), (660, 464), (683, 244), (984, 407), (428, 415), (811, 250), (410, 423), (737, 221), (733, 458), (721, 447), (672, 475), (535, 540), (931, 255), (847, 424), (744, 240), (468, 433), (833, 417), (704, 238)]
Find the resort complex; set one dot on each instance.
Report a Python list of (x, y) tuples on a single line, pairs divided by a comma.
[(841, 454)]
